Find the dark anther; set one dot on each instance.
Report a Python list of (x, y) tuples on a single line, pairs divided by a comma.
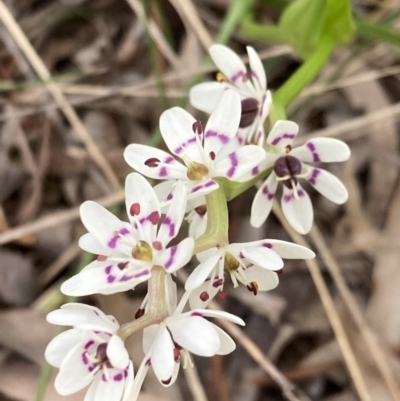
[(212, 155), (152, 162), (166, 382), (134, 210), (253, 287), (177, 354), (197, 127), (201, 210), (287, 166), (204, 296), (217, 283), (221, 295), (139, 313), (249, 112), (122, 265), (280, 271)]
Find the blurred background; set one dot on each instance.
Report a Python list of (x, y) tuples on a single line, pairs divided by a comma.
[(115, 66)]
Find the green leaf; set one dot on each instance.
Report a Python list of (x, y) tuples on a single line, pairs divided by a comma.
[(339, 24), (302, 23), (379, 32)]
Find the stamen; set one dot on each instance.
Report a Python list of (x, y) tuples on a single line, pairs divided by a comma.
[(106, 373), (294, 187), (288, 149), (234, 281), (284, 178), (212, 155), (221, 295), (152, 162), (197, 127), (221, 77), (101, 258), (139, 313), (134, 210), (157, 245), (201, 210), (204, 296)]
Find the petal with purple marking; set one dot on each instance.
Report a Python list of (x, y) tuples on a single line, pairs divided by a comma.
[(328, 185), (176, 126), (256, 70), (162, 355), (218, 314), (263, 257), (142, 206), (205, 96), (322, 150), (223, 123), (266, 280), (154, 163), (176, 256), (89, 243), (172, 221), (117, 353), (227, 345), (282, 135), (262, 203), (299, 212), (198, 189), (239, 163), (110, 389), (197, 301), (230, 64)]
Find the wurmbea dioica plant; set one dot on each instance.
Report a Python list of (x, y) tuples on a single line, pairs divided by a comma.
[(204, 164)]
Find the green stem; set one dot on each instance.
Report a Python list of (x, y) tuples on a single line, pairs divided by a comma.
[(305, 74), (374, 31), (217, 222)]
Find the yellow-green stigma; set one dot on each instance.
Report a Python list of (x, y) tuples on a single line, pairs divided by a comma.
[(142, 251), (231, 264)]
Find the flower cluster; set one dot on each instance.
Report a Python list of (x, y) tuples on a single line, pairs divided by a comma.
[(194, 177)]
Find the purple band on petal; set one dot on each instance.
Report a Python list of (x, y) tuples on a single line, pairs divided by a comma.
[(287, 198), (301, 193), (270, 195), (315, 173), (284, 136), (142, 273), (88, 344), (163, 172), (110, 278), (118, 377), (224, 139), (262, 104), (196, 314), (255, 171), (107, 269), (84, 359), (234, 163), (172, 251), (112, 243), (238, 75), (312, 149), (183, 146), (254, 74), (167, 221), (267, 245)]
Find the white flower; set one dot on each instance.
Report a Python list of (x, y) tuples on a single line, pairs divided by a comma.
[(128, 251), (253, 264), (89, 353), (170, 343), (206, 155), (288, 166), (256, 100)]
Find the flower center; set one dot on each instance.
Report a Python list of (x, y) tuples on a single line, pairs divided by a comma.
[(101, 356), (231, 264), (196, 171), (249, 112), (287, 168), (142, 251)]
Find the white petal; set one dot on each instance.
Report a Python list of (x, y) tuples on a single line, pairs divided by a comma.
[(176, 256), (262, 203), (263, 257), (61, 345), (205, 96), (230, 64), (204, 255), (104, 281), (322, 150), (128, 383), (171, 293), (112, 389), (201, 272), (256, 69), (328, 185), (138, 382), (75, 314), (266, 280), (117, 353), (194, 334), (89, 243), (227, 345), (286, 250), (282, 134), (164, 191), (223, 123), (102, 224), (239, 163), (197, 225), (91, 393), (194, 299), (176, 126), (74, 374), (299, 212), (162, 355), (166, 169), (149, 335), (140, 196), (172, 222), (197, 189), (218, 314)]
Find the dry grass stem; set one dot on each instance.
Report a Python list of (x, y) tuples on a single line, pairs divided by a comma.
[(332, 314), (194, 383), (355, 312), (56, 218), (40, 68)]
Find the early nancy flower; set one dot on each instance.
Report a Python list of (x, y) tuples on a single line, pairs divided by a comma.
[(289, 164), (206, 155), (89, 353), (128, 251), (251, 263), (250, 85), (170, 343)]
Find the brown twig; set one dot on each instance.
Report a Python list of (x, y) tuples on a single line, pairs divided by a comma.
[(41, 70), (194, 383), (330, 310)]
